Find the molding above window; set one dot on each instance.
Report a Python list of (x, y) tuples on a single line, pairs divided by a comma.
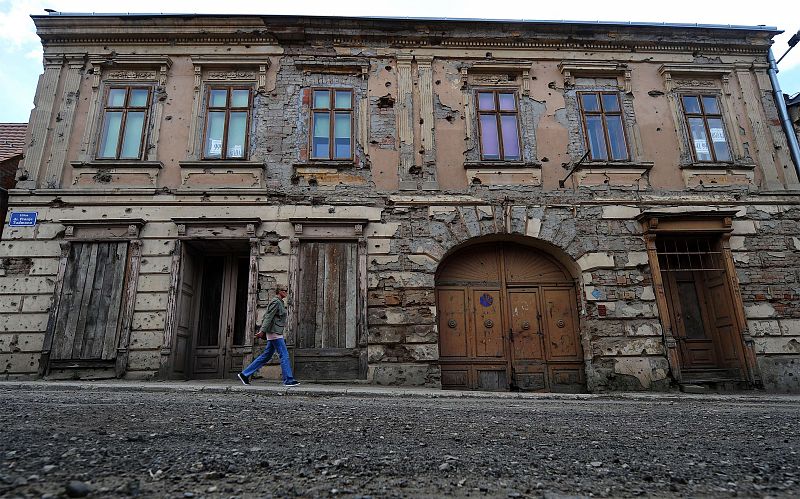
[(228, 69), (572, 69), (357, 66), (130, 67), (491, 74), (102, 229), (696, 76)]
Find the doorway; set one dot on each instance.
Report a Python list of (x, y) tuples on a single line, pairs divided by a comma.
[(701, 309), (508, 320), (211, 333)]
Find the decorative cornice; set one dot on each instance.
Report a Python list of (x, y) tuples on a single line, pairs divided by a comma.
[(324, 64), (571, 69)]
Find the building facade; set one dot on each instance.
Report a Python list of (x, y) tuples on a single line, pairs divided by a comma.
[(460, 204)]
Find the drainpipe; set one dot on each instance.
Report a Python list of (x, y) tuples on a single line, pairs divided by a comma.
[(786, 124)]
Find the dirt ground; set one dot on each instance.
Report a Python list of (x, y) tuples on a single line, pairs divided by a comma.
[(239, 444)]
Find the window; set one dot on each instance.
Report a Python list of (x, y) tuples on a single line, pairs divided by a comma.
[(603, 126), (332, 124), (704, 120), (227, 123), (498, 128), (124, 120)]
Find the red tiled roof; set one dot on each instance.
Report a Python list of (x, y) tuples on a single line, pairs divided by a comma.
[(12, 139)]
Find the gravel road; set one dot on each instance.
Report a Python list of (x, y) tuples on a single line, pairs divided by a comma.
[(108, 443)]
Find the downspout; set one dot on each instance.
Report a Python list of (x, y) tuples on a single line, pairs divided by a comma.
[(786, 124)]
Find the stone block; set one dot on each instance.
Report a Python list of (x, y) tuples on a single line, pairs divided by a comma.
[(534, 227), (405, 374), (146, 302), (647, 294), (380, 260), (643, 328), (21, 342), (26, 285), (156, 264), (401, 279), (739, 257), (24, 322), (737, 243), (148, 320), (11, 304), (796, 241), (156, 247), (37, 303), (19, 363), (769, 345), (790, 327), (780, 373), (424, 261), (45, 266), (759, 310), (273, 264), (379, 246), (381, 229), (621, 212), (637, 259), (590, 261), (633, 310), (144, 360), (643, 369), (146, 340), (153, 282), (594, 293), (30, 249), (744, 227), (764, 328), (627, 346)]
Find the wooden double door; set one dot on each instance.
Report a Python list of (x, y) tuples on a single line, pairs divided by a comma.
[(211, 336), (508, 320)]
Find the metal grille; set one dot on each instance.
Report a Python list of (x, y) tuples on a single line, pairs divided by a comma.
[(676, 255)]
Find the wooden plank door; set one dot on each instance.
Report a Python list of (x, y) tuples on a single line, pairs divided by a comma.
[(187, 310), (725, 330), (88, 321), (239, 279), (688, 307), (208, 361), (563, 350), (454, 338), (327, 345), (528, 363), (491, 364)]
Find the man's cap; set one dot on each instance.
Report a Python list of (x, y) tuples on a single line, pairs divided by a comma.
[(281, 287)]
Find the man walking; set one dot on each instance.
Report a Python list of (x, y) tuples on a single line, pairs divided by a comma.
[(272, 329)]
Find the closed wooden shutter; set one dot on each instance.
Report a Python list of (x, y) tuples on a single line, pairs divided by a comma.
[(88, 321)]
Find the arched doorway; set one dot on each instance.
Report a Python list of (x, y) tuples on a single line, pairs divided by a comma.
[(508, 319)]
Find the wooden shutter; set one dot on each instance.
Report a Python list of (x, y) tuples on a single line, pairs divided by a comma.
[(89, 314)]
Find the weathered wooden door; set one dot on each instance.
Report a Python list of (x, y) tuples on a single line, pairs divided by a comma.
[(187, 311), (89, 316), (221, 318), (689, 307), (721, 318), (507, 319), (326, 342)]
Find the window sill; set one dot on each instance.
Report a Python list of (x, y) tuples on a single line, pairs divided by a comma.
[(221, 163), (620, 165), (489, 165), (718, 166), (326, 163), (116, 163)]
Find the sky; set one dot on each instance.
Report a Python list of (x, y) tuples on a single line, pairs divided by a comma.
[(21, 54)]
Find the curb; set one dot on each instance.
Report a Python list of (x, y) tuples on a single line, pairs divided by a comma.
[(319, 390)]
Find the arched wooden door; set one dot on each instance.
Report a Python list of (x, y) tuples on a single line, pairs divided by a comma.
[(508, 319)]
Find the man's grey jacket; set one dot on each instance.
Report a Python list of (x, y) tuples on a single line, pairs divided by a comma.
[(275, 318)]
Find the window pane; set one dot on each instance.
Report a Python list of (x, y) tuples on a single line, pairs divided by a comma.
[(596, 137), (132, 140), (490, 148), (699, 139), (343, 99), (710, 104), (485, 101), (240, 98), (108, 140), (341, 133), (589, 102), (510, 138), (218, 98), (691, 104), (138, 97), (321, 139), (237, 132), (610, 103), (322, 99), (718, 139), (214, 129), (616, 138), (507, 102), (116, 97)]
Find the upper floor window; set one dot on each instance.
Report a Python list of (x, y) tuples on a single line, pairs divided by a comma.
[(227, 123), (704, 121), (498, 125), (603, 126), (124, 120), (332, 124)]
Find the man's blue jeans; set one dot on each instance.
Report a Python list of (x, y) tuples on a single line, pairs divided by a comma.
[(278, 345)]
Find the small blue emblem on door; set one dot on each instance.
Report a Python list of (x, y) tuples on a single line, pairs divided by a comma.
[(486, 300)]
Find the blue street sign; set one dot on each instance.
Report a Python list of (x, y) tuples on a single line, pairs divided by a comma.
[(22, 219)]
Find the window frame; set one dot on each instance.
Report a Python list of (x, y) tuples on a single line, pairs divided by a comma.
[(603, 113), (332, 110), (704, 116), (124, 109), (208, 109), (498, 114)]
